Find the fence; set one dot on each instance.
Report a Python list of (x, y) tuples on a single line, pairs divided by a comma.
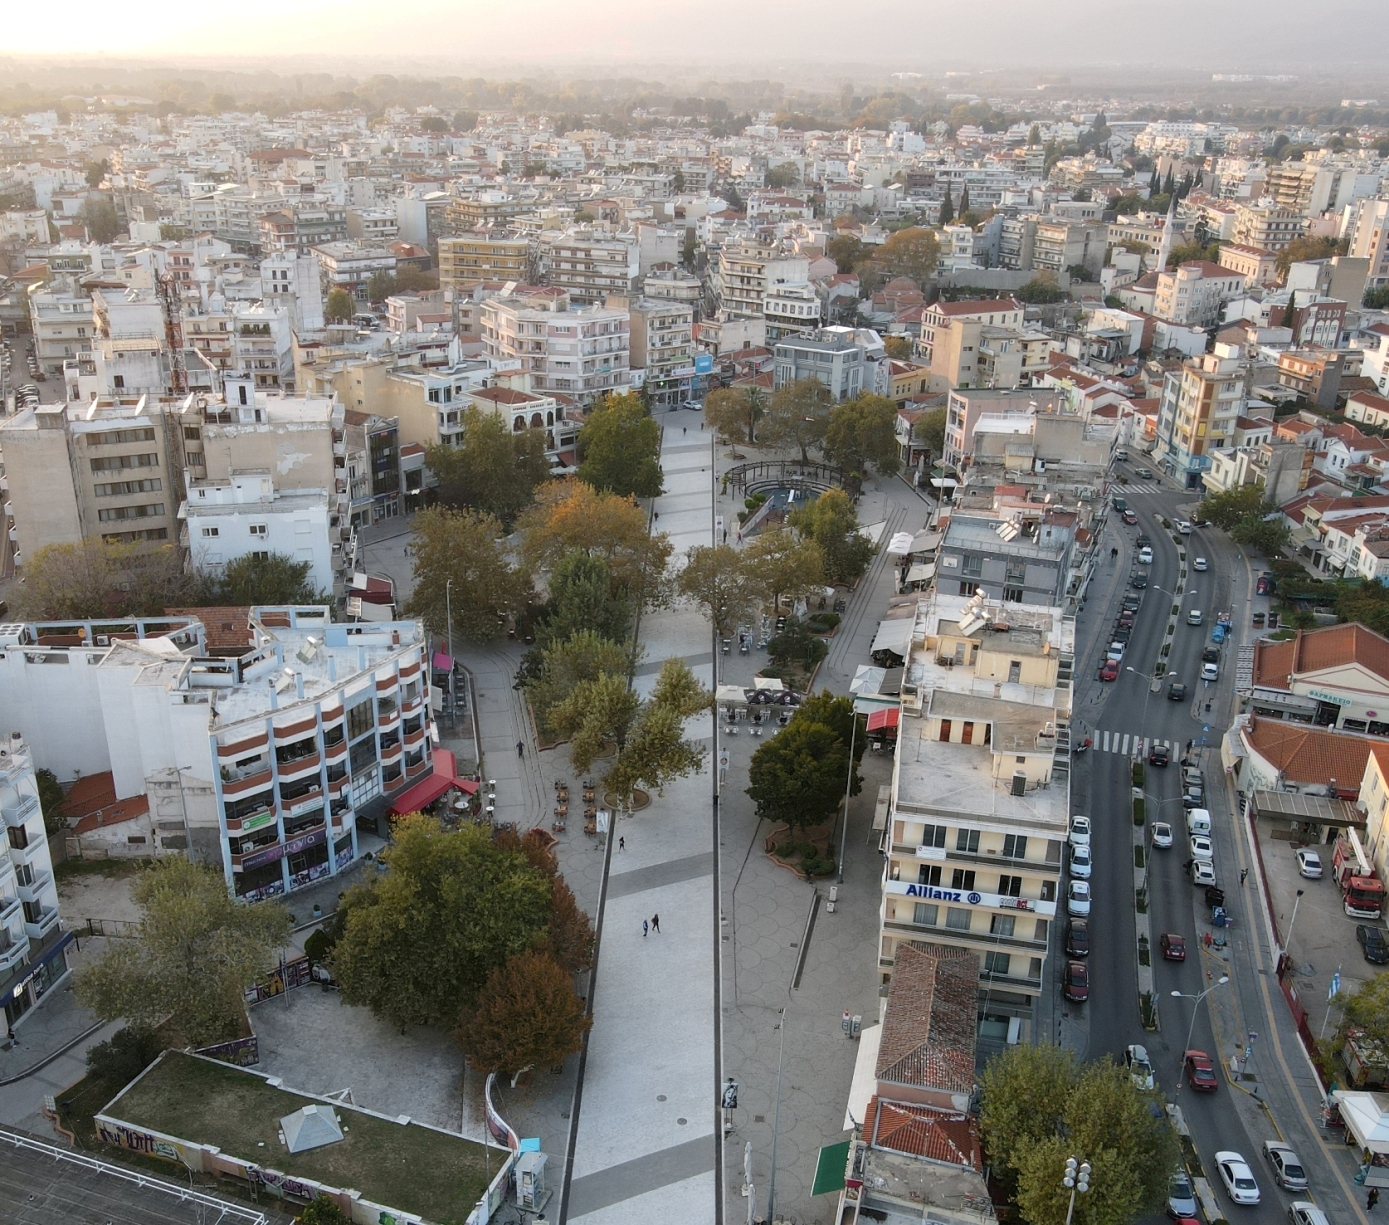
[(285, 977), (123, 928)]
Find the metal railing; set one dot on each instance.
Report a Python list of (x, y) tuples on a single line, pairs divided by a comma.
[(226, 1210)]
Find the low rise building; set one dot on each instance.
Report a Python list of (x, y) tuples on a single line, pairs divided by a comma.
[(830, 356), (350, 266), (1312, 373), (1337, 676), (1195, 293), (1257, 266)]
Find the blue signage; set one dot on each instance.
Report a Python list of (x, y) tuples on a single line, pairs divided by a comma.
[(704, 363)]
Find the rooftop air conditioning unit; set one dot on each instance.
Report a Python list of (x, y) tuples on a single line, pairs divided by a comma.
[(1019, 783)]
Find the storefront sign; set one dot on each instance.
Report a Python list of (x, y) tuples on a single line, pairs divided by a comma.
[(259, 821), (964, 897), (278, 850), (1322, 696)]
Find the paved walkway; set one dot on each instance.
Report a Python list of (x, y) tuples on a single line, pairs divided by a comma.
[(646, 1128)]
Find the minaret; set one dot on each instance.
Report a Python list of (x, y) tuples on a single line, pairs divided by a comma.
[(1165, 247)]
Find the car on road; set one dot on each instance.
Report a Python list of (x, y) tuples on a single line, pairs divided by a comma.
[(1176, 692), (1237, 1177), (1162, 834), (1194, 617), (1210, 672), (1078, 938), (1372, 944), (1145, 556), (1159, 755), (1309, 863), (1128, 517), (1140, 580), (1183, 527), (1075, 982), (1131, 602), (1210, 655), (1122, 634), (1080, 830), (1109, 670), (1078, 897), (1287, 1166), (1203, 872), (1139, 1066), (1200, 1071), (1199, 563), (1181, 1195), (1194, 798), (1304, 1212), (1127, 619), (1080, 862), (1201, 847), (1173, 946), (1146, 473)]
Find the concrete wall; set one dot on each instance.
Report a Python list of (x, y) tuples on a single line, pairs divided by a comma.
[(57, 708), (1002, 279)]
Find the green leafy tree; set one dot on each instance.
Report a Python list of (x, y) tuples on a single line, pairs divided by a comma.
[(195, 951), (322, 1211), (381, 285), (913, 252), (1041, 289), (465, 547), (795, 644), (101, 219), (434, 123), (930, 431), (493, 469), (847, 251), (273, 579), (620, 448), (1186, 252), (124, 1055), (96, 579), (1368, 1008), (864, 431), (94, 172), (597, 714), (797, 417), (778, 564), (529, 1016), (1034, 135), (1226, 509), (656, 752), (339, 308), (51, 800), (832, 523), (783, 176), (964, 199), (797, 778), (718, 581), (464, 121), (582, 598), (733, 412), (582, 658), (1308, 247), (947, 208), (898, 347), (689, 248), (1266, 536), (421, 939), (1376, 299)]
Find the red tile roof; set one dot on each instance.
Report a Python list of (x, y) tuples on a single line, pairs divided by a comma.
[(1305, 754), (227, 628), (1317, 650), (921, 1131), (930, 1027), (92, 801), (987, 306)]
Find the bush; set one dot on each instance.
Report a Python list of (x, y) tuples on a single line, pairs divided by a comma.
[(123, 1056), (1138, 774), (1139, 812), (323, 1211)]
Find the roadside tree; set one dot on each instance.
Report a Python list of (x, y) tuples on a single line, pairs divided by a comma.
[(582, 598), (797, 417), (487, 590), (620, 448), (832, 523), (797, 777), (862, 432), (733, 412), (528, 1016), (716, 578), (493, 469), (566, 666), (778, 565), (339, 307)]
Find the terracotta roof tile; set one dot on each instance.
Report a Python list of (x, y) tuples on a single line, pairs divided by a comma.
[(1306, 754), (921, 1131), (930, 1027)]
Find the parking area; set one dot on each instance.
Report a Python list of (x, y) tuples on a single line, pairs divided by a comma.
[(1321, 941)]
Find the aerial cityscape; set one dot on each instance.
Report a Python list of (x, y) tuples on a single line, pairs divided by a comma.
[(598, 627)]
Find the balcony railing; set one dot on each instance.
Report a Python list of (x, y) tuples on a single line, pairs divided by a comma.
[(250, 781), (16, 814), (12, 952), (8, 905), (38, 928), (36, 885)]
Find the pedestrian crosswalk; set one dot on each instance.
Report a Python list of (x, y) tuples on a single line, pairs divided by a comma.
[(1126, 744)]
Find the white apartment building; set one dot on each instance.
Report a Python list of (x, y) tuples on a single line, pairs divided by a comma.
[(583, 354), (33, 946), (590, 268), (1267, 226), (60, 321), (375, 227), (350, 266), (1195, 293), (24, 225), (747, 271), (980, 797), (1367, 229), (663, 349), (246, 515), (278, 762), (791, 308)]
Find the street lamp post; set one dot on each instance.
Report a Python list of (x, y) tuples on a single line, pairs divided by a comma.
[(1153, 680), (183, 803), (848, 784), (1288, 943), (1196, 1004), (448, 619), (1077, 1180)]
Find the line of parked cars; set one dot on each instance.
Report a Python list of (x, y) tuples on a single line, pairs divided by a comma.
[(1119, 636), (1075, 974)]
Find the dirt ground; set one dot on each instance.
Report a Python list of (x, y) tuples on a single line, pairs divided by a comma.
[(90, 889)]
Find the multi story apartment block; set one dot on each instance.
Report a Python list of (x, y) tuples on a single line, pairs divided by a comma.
[(980, 796), (1266, 225), (373, 467), (350, 266), (830, 356), (942, 315), (1195, 293), (663, 347), (583, 354), (1059, 244), (60, 321), (528, 410), (965, 407), (675, 285), (590, 268), (484, 210), (1258, 267), (747, 271), (1197, 413), (278, 762), (299, 228), (375, 227), (1367, 230), (33, 946), (467, 259)]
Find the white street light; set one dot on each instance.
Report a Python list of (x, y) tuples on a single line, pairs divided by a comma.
[(1077, 1180), (1196, 1004)]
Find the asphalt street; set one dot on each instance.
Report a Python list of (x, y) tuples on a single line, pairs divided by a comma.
[(1123, 717)]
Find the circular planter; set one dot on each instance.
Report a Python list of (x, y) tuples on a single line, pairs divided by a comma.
[(640, 799)]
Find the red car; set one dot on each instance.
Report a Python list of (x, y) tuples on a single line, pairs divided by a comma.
[(1129, 517), (1075, 983), (1173, 946), (1200, 1072), (1109, 671)]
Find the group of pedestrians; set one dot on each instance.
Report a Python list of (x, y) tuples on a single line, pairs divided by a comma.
[(653, 924)]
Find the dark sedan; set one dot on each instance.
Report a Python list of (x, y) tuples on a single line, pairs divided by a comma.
[(1200, 1072), (1078, 938), (1075, 984), (1372, 944)]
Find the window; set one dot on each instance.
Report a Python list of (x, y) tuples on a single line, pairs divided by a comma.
[(962, 878), (1002, 925), (996, 963), (212, 531), (928, 875), (957, 918), (933, 835), (116, 463), (360, 719), (974, 566), (1012, 595), (967, 840), (260, 530), (968, 588), (116, 513), (116, 489), (110, 438), (1014, 846), (1010, 886), (925, 914)]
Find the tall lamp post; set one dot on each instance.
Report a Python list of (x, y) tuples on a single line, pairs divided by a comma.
[(1195, 1007), (1288, 943), (448, 619), (848, 785), (1153, 681), (1077, 1180)]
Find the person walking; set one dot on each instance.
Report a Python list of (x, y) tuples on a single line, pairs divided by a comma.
[(656, 923), (622, 844), (1243, 872), (520, 748), (1373, 1198), (643, 929)]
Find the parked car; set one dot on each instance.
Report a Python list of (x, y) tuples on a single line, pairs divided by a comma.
[(1129, 517), (1109, 670), (1372, 944), (1080, 862), (1181, 1195), (1080, 830), (1078, 938), (1075, 982), (1115, 652), (1201, 847), (1140, 580), (1173, 946), (1162, 834), (1139, 1066), (1078, 897), (1203, 872), (1199, 563), (1304, 1212), (1194, 616), (1309, 863), (1210, 655), (1122, 634), (1210, 672), (1159, 755), (1192, 777), (1176, 692), (1131, 602), (1195, 798), (1145, 556), (1287, 1166), (1200, 1071), (1237, 1177), (1263, 585), (1127, 619)]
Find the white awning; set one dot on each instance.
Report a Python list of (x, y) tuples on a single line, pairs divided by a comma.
[(768, 682), (732, 695), (868, 678), (922, 572), (1364, 1115), (894, 636), (900, 545)]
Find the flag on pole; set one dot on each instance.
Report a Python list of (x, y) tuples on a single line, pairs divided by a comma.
[(1335, 989)]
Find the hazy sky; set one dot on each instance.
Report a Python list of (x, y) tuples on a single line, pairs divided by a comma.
[(1050, 34)]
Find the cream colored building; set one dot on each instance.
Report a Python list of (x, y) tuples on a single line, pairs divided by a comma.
[(583, 354), (663, 348), (1266, 225), (466, 259), (1257, 266)]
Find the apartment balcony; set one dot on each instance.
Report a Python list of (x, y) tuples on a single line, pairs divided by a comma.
[(38, 883), (247, 822), (20, 855), (13, 951), (240, 748), (335, 752), (301, 803), (17, 813), (9, 907), (242, 782), (299, 767), (40, 927)]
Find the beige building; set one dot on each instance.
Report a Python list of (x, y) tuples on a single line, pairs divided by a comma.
[(747, 271), (583, 354), (1257, 266), (589, 267), (466, 259), (663, 347), (1266, 225), (1197, 414), (1194, 294), (1368, 231)]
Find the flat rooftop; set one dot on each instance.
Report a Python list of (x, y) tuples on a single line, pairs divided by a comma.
[(402, 1165)]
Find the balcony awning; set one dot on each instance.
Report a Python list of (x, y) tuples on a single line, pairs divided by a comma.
[(427, 790), (880, 720)]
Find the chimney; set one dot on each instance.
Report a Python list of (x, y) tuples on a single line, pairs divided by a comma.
[(299, 685), (332, 668)]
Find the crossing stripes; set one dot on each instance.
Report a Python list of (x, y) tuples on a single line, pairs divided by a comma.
[(1127, 744)]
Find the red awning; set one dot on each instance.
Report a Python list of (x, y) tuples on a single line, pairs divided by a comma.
[(429, 789), (881, 719)]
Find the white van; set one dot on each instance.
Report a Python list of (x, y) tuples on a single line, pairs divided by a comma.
[(1198, 821)]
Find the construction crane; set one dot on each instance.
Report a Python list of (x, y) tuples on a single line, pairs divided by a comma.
[(172, 308)]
